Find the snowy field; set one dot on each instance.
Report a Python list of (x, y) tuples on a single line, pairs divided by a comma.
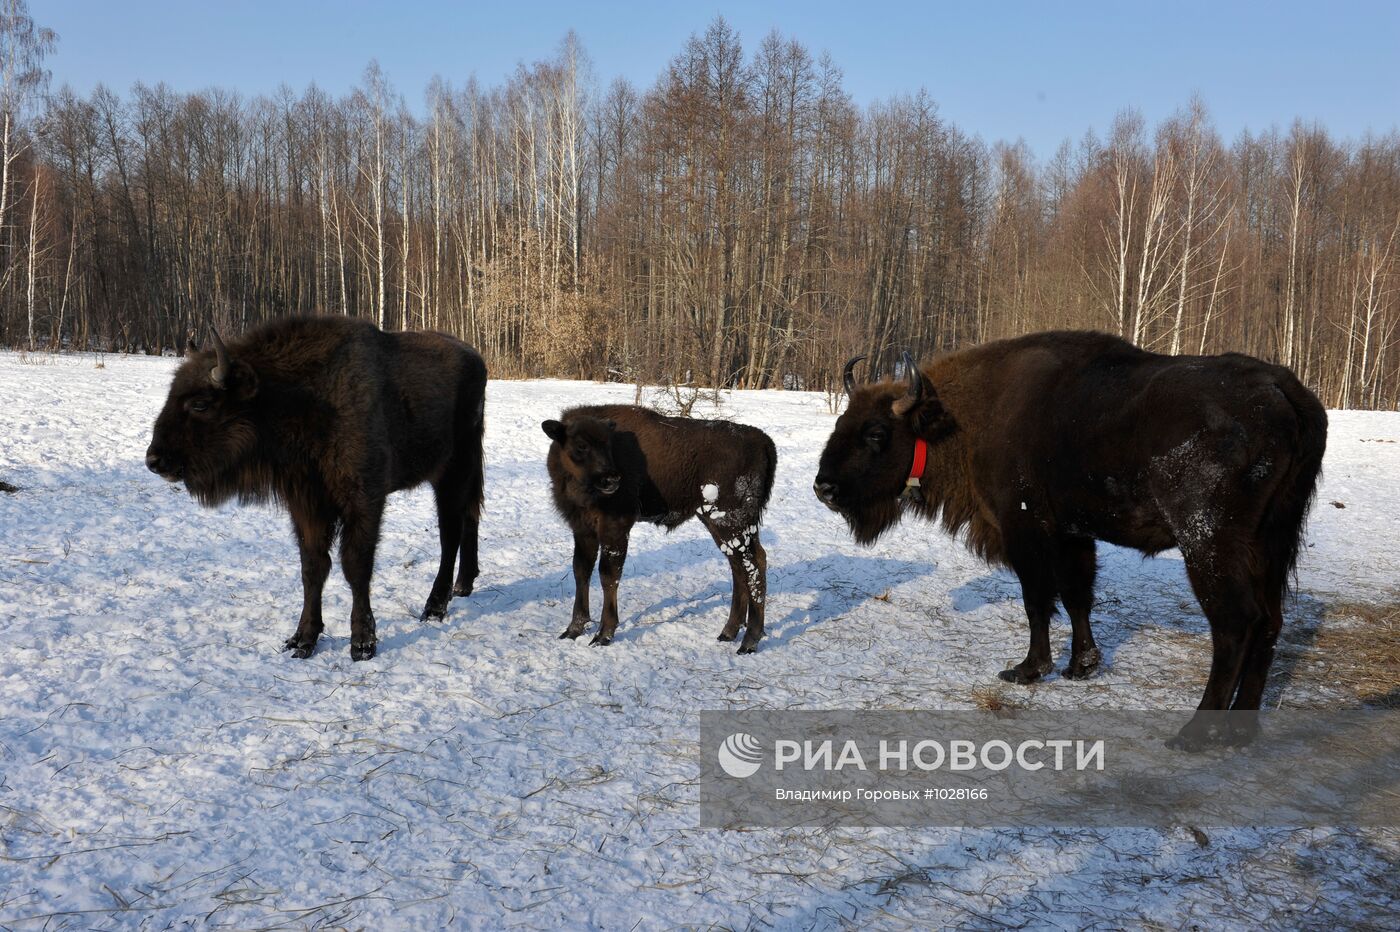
[(162, 763)]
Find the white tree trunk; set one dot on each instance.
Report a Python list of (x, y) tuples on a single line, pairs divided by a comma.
[(33, 258)]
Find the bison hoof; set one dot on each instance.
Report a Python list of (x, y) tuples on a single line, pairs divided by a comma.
[(300, 647), (1200, 734), (601, 640), (1189, 741), (432, 612), (1025, 673), (747, 648), (1244, 728), (725, 636), (463, 589), (1216, 729), (1080, 668), (363, 650), (570, 633)]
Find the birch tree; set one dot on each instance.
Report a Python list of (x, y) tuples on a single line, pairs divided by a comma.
[(23, 47), (741, 222)]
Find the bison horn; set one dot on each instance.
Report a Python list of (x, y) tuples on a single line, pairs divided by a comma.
[(848, 376), (915, 394), (219, 373)]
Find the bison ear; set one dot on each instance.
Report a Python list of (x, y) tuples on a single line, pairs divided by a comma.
[(554, 430), (932, 420), (921, 406), (239, 380)]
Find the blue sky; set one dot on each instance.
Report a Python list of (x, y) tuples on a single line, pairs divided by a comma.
[(1039, 71)]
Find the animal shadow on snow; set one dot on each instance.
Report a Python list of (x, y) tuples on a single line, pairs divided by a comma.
[(557, 585), (1133, 594), (1094, 894), (993, 588), (1297, 654), (838, 582)]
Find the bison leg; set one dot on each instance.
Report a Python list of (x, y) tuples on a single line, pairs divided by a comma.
[(585, 555), (358, 540), (738, 601), (614, 555), (1033, 567), (1259, 656), (449, 511), (755, 563), (468, 570), (1075, 568), (739, 598), (313, 535), (1227, 597)]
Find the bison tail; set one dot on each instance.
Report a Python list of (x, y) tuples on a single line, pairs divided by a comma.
[(770, 469), (475, 403), (476, 480), (1285, 520)]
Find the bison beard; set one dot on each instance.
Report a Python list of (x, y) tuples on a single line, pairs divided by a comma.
[(869, 520), (1041, 445), (328, 416)]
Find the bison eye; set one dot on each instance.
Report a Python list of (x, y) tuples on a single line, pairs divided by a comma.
[(877, 436), (577, 456), (199, 404)]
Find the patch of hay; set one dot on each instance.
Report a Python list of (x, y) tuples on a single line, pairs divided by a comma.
[(995, 699), (1350, 651), (1360, 643)]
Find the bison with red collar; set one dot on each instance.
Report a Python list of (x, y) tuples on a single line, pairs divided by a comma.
[(614, 465), (1036, 447)]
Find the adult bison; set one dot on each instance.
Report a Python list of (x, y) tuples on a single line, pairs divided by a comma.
[(614, 465), (1038, 446), (329, 415)]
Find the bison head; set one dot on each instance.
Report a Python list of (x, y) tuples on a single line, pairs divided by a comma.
[(866, 462), (586, 454), (205, 432)]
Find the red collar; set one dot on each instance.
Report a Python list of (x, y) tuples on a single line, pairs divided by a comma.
[(916, 471)]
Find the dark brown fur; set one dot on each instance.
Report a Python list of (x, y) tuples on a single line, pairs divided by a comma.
[(1041, 445), (328, 416), (614, 465)]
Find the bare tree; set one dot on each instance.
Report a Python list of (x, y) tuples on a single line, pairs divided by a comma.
[(741, 223), (23, 47)]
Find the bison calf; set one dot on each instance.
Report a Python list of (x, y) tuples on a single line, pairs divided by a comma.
[(328, 416), (1038, 446), (614, 465)]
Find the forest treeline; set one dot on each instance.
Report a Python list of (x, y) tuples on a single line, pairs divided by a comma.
[(741, 223)]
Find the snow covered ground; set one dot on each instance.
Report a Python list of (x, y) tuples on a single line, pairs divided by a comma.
[(161, 761)]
